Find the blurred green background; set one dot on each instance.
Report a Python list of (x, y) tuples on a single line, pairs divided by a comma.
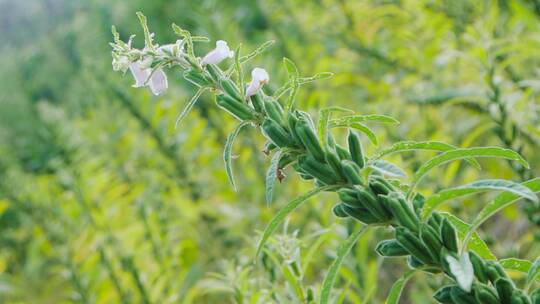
[(102, 200)]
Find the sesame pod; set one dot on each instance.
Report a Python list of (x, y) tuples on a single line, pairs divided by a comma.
[(443, 295), (390, 248), (535, 296), (431, 239), (505, 288), (330, 142), (448, 235), (196, 78), (379, 185), (400, 214), (274, 110), (350, 170), (371, 203), (305, 176), (257, 102), (355, 148), (348, 196), (285, 160), (494, 271), (361, 214), (231, 89), (459, 296), (414, 262), (276, 133), (478, 266), (339, 211), (214, 71), (418, 202), (435, 221), (318, 170), (333, 160), (485, 295), (237, 109), (412, 244), (309, 139), (343, 153), (518, 297), (291, 122)]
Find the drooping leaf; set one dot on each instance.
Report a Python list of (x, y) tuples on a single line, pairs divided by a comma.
[(502, 201), (227, 152), (404, 146), (271, 175), (342, 251), (324, 117), (476, 244), (360, 127), (388, 168), (397, 287), (286, 210), (363, 118), (533, 273), (478, 186), (463, 153), (189, 106)]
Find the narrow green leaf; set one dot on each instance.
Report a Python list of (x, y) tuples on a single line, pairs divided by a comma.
[(342, 251), (187, 37), (227, 157), (318, 76), (397, 288), (238, 69), (286, 210), (502, 201), (476, 244), (324, 117), (189, 106), (257, 51), (271, 175), (292, 70), (478, 186), (147, 37), (405, 146), (534, 271), (388, 168), (463, 153), (363, 118), (516, 264), (360, 127)]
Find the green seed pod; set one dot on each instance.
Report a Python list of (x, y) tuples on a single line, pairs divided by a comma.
[(291, 122), (285, 160), (196, 78), (276, 133), (449, 236), (414, 262), (379, 185), (355, 148), (231, 89), (361, 214), (318, 170), (494, 271), (434, 222), (339, 211), (535, 296), (400, 212), (343, 153), (518, 297), (390, 248), (478, 266), (214, 71), (350, 170), (485, 295), (348, 196), (372, 204), (274, 110), (418, 202), (443, 295), (257, 102), (333, 160), (430, 238), (309, 139), (505, 288), (237, 109), (413, 245), (304, 176), (330, 142), (459, 296)]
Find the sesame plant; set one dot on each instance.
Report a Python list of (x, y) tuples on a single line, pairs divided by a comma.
[(367, 188)]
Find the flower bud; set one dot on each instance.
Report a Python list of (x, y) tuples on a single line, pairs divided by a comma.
[(258, 78), (218, 54)]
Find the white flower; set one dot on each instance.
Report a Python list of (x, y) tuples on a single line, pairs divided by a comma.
[(120, 63), (258, 78), (462, 270), (158, 82), (221, 52)]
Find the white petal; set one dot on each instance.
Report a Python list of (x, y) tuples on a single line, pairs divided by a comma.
[(217, 55), (462, 270), (139, 74), (258, 78), (158, 82)]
